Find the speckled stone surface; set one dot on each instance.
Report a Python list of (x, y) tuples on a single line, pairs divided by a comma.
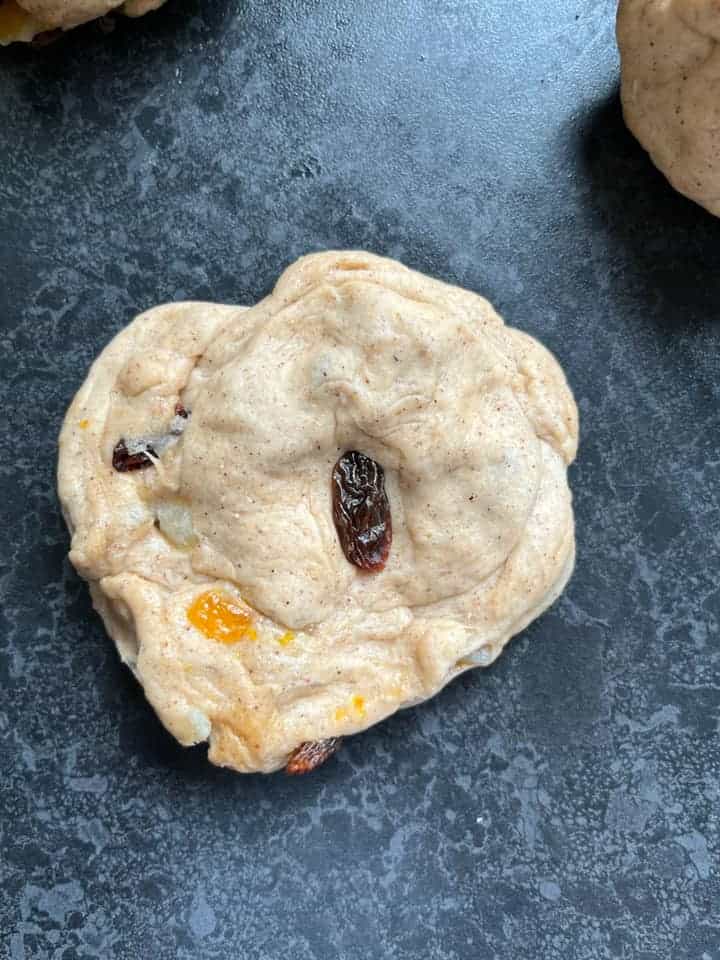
[(562, 805)]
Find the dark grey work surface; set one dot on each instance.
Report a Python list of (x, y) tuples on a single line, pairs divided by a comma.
[(563, 804)]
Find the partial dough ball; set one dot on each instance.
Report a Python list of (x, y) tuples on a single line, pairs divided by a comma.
[(198, 475), (670, 73), (22, 20)]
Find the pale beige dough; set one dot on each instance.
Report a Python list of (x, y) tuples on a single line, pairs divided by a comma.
[(22, 20), (473, 423), (670, 58)]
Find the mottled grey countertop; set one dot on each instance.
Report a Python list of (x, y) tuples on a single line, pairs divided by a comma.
[(564, 803)]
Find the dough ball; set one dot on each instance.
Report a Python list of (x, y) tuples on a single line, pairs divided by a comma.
[(670, 59), (22, 20), (197, 475)]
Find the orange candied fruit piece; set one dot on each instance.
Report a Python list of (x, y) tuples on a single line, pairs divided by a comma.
[(221, 618), (358, 706), (16, 23)]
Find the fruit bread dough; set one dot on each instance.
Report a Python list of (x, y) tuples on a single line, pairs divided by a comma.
[(218, 570), (25, 19), (670, 53)]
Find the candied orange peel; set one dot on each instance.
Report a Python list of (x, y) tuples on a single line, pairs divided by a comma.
[(16, 23), (357, 709), (221, 618)]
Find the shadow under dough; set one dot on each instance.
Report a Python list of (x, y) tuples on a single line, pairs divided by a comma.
[(663, 245), (114, 53)]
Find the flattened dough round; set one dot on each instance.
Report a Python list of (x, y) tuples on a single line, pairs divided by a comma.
[(473, 423), (670, 55)]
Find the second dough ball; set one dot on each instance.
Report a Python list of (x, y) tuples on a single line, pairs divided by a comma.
[(670, 72), (23, 20)]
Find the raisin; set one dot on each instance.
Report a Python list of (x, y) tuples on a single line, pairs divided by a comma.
[(361, 510), (145, 450), (311, 755), (124, 461), (179, 421)]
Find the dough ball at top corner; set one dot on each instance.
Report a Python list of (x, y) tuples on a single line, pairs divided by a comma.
[(670, 68), (23, 20)]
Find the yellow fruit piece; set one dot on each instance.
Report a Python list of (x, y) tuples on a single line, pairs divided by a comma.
[(84, 424), (286, 638), (221, 618), (16, 23), (357, 707)]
